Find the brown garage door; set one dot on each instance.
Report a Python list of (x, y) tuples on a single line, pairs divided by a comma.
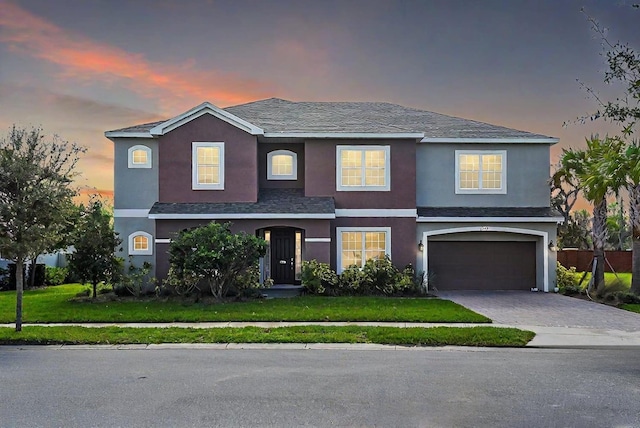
[(474, 265)]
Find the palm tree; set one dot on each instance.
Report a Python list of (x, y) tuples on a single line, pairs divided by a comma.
[(589, 169), (624, 166)]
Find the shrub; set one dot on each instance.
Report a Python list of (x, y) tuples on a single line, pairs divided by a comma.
[(351, 281), (380, 276), (318, 277), (568, 280), (133, 281), (55, 275)]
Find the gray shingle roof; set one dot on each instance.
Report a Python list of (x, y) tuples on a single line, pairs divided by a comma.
[(270, 201), (280, 116), (487, 212), (276, 115)]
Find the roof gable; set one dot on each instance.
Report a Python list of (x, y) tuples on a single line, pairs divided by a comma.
[(202, 109)]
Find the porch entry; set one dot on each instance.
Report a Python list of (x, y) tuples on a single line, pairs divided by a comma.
[(283, 261)]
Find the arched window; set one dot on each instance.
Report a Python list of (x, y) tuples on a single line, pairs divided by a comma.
[(282, 165), (139, 157), (140, 243)]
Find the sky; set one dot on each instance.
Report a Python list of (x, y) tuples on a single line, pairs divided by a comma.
[(78, 68)]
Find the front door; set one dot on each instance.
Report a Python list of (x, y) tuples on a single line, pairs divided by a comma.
[(283, 255)]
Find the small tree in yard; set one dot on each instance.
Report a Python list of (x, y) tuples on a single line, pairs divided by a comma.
[(95, 243), (215, 255), (35, 192)]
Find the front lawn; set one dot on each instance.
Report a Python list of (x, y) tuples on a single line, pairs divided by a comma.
[(54, 304), (436, 336), (633, 307)]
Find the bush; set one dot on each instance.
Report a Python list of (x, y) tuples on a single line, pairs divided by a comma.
[(133, 281), (318, 277), (568, 280), (351, 281), (379, 276), (55, 275)]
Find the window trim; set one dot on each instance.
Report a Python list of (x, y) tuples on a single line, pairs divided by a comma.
[(363, 188), (133, 251), (503, 178), (132, 149), (294, 170), (194, 166), (340, 230)]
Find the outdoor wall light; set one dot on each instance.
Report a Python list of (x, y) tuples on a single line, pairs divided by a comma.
[(552, 246), (420, 246)]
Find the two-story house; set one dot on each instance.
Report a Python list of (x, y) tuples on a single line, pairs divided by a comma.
[(342, 182)]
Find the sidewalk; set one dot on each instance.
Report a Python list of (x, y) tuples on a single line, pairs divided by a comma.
[(546, 337)]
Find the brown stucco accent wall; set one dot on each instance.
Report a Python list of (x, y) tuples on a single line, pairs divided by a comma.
[(320, 175), (263, 150), (165, 229), (240, 161), (404, 249)]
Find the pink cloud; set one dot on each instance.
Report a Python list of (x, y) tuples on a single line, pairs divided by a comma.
[(79, 57)]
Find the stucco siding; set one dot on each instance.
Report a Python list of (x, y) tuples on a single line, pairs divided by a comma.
[(125, 226), (134, 188), (240, 162), (527, 176), (264, 149), (320, 175)]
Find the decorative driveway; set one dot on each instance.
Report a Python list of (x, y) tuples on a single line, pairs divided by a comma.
[(524, 308)]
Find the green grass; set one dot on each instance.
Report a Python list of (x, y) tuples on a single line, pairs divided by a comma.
[(633, 307), (436, 336), (53, 304), (610, 278)]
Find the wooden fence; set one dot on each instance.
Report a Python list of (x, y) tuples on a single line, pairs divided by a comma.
[(581, 259)]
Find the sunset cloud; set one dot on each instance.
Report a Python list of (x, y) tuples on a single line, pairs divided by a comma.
[(174, 87)]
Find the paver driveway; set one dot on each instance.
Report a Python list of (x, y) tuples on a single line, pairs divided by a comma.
[(524, 308)]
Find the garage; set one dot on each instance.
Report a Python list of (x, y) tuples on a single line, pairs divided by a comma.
[(482, 265)]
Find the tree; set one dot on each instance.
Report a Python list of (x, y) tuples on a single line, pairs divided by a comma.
[(623, 67), (624, 164), (215, 255), (587, 168), (35, 190), (564, 194), (618, 227), (93, 259), (577, 233)]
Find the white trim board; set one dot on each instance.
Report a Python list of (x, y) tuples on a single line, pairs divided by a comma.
[(202, 109), (130, 213), (383, 212), (350, 135), (240, 216), (317, 239), (522, 231), (163, 241), (490, 219), (506, 140)]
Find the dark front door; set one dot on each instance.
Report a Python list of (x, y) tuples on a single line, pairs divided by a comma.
[(283, 256)]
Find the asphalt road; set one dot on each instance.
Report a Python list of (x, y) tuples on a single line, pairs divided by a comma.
[(454, 387)]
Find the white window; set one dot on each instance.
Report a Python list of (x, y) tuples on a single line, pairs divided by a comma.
[(363, 168), (207, 166), (282, 165), (140, 244), (481, 171), (139, 157), (356, 245)]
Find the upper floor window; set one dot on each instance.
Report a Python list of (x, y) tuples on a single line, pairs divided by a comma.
[(361, 168), (481, 171), (356, 245), (140, 244), (282, 165), (207, 166), (139, 157)]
